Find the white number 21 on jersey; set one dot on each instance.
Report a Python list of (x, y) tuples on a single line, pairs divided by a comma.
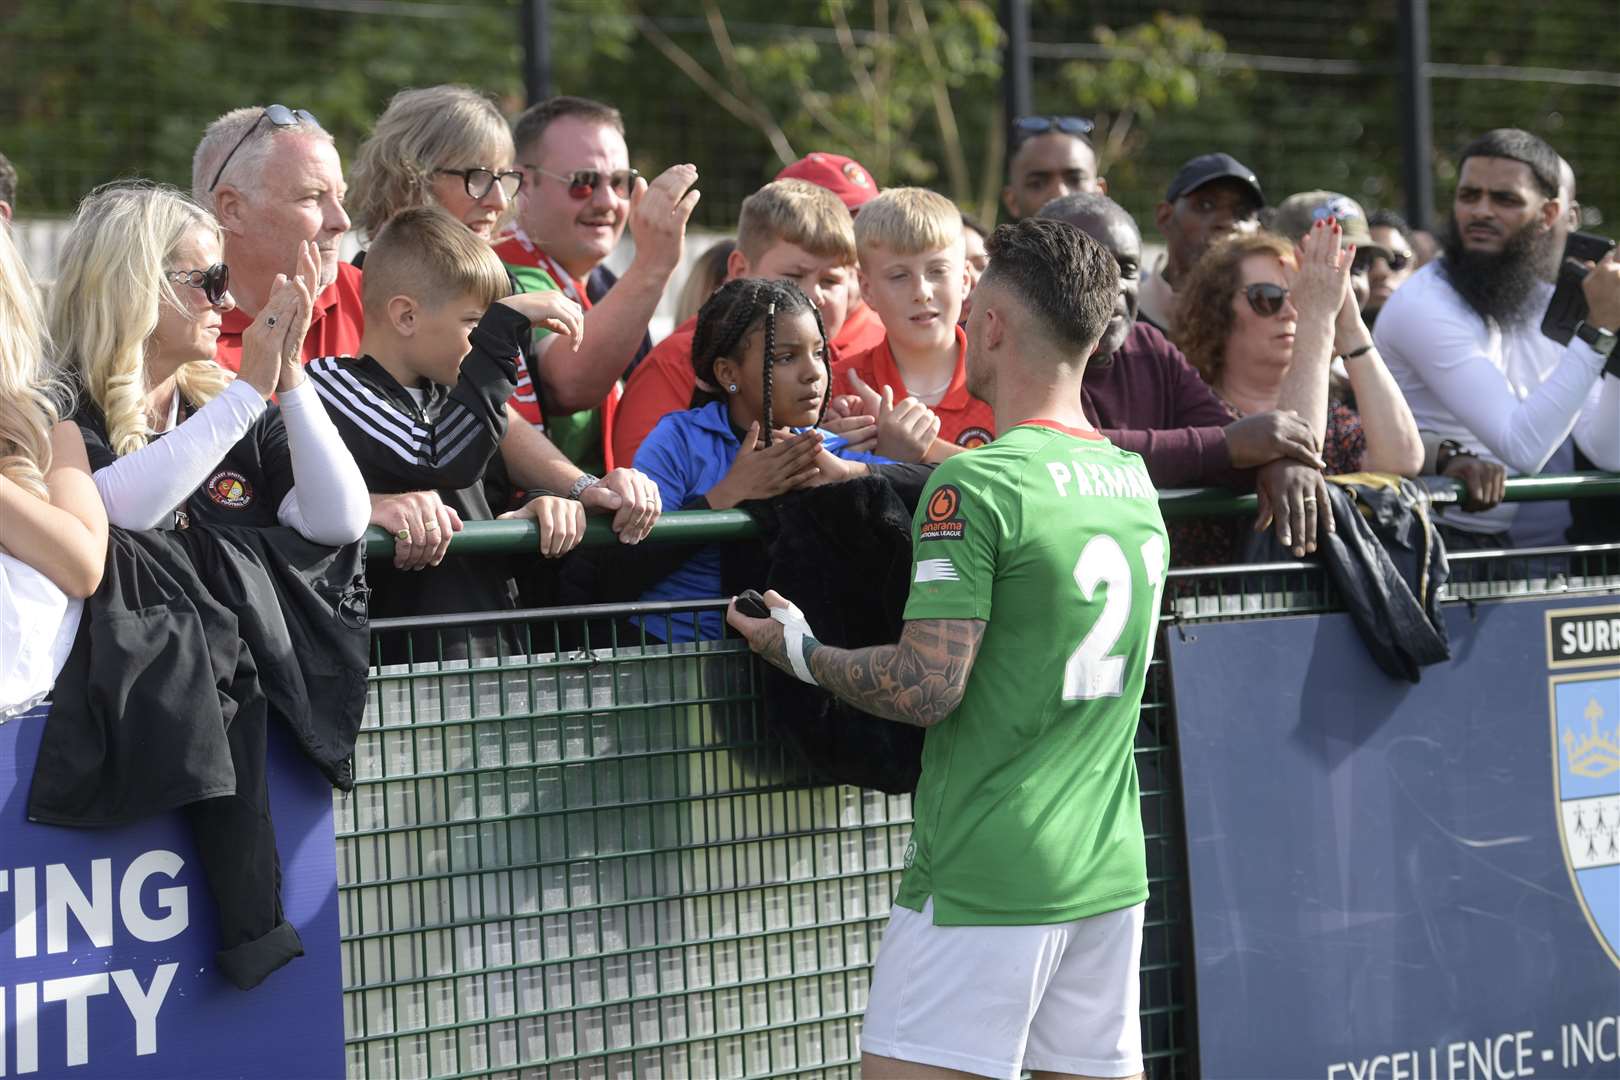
[(1092, 670)]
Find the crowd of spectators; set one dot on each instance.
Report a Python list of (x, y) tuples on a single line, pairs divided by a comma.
[(216, 361)]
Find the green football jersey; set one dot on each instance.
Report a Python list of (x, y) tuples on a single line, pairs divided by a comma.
[(1028, 808)]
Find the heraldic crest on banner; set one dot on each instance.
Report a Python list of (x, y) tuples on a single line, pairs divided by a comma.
[(1585, 707)]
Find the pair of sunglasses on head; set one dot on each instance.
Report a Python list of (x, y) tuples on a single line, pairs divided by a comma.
[(1027, 127)]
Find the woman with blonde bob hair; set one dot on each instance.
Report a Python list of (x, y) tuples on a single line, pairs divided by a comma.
[(444, 144), (1262, 322), (173, 440), (53, 530)]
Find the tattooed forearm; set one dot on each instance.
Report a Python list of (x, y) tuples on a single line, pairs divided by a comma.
[(919, 680)]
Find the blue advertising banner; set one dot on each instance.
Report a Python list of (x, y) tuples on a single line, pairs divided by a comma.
[(107, 940), (1405, 882)]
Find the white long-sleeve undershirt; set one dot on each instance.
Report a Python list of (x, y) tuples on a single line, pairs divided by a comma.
[(327, 503)]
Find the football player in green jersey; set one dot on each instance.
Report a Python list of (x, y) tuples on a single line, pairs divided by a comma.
[(1038, 564)]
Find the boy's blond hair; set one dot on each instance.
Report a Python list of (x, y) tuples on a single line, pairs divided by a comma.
[(909, 221), (795, 212), (429, 256)]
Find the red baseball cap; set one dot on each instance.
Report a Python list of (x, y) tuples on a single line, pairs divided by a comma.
[(844, 177)]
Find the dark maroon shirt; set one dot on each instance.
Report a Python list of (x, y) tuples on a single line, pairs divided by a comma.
[(1149, 400)]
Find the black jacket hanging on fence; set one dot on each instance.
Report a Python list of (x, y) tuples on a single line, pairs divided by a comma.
[(1388, 563), (196, 638), (842, 553)]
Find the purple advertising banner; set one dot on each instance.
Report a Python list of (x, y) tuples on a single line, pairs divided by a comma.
[(1393, 881), (107, 940)]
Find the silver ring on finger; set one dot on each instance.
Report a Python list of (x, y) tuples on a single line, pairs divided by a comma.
[(1309, 500)]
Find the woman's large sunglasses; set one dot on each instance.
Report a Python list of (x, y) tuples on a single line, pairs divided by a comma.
[(214, 282), (280, 116), (1265, 298), (582, 183), (479, 179)]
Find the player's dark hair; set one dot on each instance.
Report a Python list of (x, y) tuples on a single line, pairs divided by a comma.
[(1062, 275), (731, 314), (1518, 145)]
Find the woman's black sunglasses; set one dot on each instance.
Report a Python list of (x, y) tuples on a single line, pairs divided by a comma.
[(1397, 260), (280, 116), (479, 179), (1265, 298), (214, 282)]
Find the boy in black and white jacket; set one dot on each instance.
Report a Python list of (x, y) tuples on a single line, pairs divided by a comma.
[(424, 409)]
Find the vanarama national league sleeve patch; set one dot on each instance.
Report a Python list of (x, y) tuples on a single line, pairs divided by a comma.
[(955, 537), (942, 517)]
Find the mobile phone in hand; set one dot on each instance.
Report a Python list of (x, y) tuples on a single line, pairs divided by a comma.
[(1568, 306)]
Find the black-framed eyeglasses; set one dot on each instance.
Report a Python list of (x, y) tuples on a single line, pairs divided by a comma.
[(479, 179), (214, 282), (280, 116), (582, 183), (1265, 298), (1397, 260), (1027, 127)]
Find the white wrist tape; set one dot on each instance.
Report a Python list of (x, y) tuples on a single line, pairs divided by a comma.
[(794, 630)]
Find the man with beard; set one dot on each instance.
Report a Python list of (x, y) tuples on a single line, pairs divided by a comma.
[(1144, 395), (1463, 339)]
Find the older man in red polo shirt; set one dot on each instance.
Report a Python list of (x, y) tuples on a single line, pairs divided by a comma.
[(273, 179)]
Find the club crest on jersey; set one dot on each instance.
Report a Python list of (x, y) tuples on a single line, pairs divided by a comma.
[(229, 489), (943, 521), (1585, 708), (974, 437)]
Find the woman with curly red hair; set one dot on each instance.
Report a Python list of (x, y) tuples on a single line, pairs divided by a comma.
[(1262, 321)]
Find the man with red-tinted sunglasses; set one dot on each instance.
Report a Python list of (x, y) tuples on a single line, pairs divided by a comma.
[(579, 192)]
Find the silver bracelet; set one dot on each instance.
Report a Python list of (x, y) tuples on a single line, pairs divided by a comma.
[(585, 480)]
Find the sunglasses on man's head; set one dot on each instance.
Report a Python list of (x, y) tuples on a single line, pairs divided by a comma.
[(479, 179), (280, 116), (1265, 298), (582, 183), (214, 282), (1025, 127), (1397, 260)]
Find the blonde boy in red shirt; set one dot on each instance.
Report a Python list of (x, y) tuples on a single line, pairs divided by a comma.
[(913, 273)]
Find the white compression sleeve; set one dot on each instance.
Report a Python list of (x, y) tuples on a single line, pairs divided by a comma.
[(328, 502), (141, 490)]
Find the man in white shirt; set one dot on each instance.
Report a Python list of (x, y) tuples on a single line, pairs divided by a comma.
[(1463, 339)]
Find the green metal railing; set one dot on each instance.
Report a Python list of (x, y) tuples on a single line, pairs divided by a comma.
[(587, 856), (716, 526)]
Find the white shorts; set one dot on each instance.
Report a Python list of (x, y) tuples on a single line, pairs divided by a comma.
[(995, 1000)]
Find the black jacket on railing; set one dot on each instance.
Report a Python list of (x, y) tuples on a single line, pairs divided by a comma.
[(1387, 560), (195, 639)]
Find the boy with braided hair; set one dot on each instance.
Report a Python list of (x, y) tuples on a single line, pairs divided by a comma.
[(764, 345)]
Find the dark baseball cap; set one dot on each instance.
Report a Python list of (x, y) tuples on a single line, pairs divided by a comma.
[(1206, 167)]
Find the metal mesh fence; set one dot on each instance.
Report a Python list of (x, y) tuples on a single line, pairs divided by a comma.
[(587, 857), (595, 862)]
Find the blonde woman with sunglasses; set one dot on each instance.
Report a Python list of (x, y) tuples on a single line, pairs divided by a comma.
[(174, 441), (53, 530)]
